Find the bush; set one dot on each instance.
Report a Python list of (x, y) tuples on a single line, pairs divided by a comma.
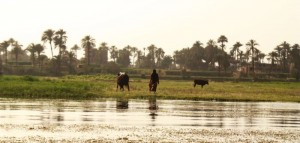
[(30, 78)]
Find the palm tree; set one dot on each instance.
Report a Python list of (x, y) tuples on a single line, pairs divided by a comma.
[(17, 50), (88, 43), (140, 56), (11, 41), (133, 50), (285, 54), (60, 40), (235, 50), (151, 55), (295, 58), (222, 39), (39, 49), (48, 36), (71, 58), (41, 60), (261, 56), (251, 48), (113, 53), (31, 49), (159, 54), (272, 56), (4, 46), (210, 53), (242, 57), (75, 48), (103, 51), (219, 58)]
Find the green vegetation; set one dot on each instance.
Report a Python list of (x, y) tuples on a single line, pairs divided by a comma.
[(243, 61), (104, 86)]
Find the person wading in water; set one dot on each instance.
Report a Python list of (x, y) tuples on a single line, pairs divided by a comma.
[(153, 81)]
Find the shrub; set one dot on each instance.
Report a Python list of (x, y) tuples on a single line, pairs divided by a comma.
[(30, 78)]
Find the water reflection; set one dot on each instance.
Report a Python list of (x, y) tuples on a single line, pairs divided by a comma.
[(152, 112), (122, 103), (153, 107)]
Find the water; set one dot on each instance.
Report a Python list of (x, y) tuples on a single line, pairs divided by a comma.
[(151, 112)]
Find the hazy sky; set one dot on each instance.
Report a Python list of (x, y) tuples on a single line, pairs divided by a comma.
[(168, 24)]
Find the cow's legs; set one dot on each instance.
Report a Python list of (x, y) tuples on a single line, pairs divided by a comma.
[(122, 87), (128, 87)]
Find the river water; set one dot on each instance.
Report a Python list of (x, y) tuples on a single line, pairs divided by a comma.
[(118, 119)]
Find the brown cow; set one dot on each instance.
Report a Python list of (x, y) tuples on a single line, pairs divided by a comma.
[(200, 82)]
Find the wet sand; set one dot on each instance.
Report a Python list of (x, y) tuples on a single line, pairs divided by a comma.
[(109, 133)]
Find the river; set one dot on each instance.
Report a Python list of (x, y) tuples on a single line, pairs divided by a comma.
[(152, 120)]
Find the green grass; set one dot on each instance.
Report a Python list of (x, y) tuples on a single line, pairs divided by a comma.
[(104, 86)]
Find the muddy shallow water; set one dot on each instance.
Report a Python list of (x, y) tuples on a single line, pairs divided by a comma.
[(121, 120)]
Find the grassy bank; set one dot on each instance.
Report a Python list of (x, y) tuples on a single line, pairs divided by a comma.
[(104, 86)]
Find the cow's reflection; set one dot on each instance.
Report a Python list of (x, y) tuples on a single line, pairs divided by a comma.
[(153, 107), (122, 103)]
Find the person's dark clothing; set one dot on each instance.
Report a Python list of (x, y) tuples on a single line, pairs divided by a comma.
[(153, 81)]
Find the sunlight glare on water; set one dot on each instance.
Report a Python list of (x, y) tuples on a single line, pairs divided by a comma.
[(151, 112)]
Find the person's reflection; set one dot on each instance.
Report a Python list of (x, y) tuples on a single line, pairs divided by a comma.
[(59, 118), (122, 103), (153, 107)]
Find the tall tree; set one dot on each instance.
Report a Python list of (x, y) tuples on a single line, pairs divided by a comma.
[(285, 50), (4, 45), (31, 49), (235, 50), (113, 53), (151, 55), (159, 54), (75, 48), (124, 57), (42, 59), (39, 49), (71, 61), (210, 53), (278, 50), (17, 50), (196, 56), (166, 62), (272, 57), (88, 43), (295, 58), (48, 36), (251, 48), (60, 41), (103, 53), (182, 57), (134, 54), (140, 57), (222, 39)]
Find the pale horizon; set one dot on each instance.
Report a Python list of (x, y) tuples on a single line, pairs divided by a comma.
[(168, 24)]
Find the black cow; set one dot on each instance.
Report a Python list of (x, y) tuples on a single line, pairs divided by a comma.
[(122, 80), (200, 82)]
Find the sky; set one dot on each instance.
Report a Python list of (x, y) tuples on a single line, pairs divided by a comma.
[(168, 24)]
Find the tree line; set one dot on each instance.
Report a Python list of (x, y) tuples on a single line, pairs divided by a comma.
[(285, 58)]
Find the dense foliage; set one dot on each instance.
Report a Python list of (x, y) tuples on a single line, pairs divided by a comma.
[(19, 59)]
